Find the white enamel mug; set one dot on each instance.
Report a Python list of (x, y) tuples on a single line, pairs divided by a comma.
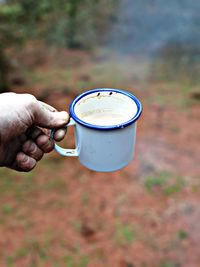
[(107, 144)]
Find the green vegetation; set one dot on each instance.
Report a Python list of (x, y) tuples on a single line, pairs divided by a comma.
[(165, 183), (7, 208), (19, 186), (77, 225), (84, 261), (169, 264), (182, 234), (32, 248), (55, 184), (6, 183), (11, 33), (9, 261), (85, 198), (125, 234), (73, 261), (177, 61), (73, 24), (69, 260)]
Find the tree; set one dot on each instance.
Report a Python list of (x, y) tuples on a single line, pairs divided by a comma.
[(9, 34), (71, 23)]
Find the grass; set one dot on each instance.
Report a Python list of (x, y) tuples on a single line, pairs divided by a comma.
[(55, 184), (182, 235), (7, 208), (71, 260), (35, 247), (84, 261), (9, 261), (52, 77), (125, 234), (196, 185), (85, 198), (77, 225), (21, 253), (175, 129), (151, 242), (122, 199), (6, 181), (2, 221), (176, 94), (30, 248), (164, 183), (43, 253), (19, 185), (168, 263)]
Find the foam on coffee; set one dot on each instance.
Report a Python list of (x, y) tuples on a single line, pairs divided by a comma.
[(104, 117)]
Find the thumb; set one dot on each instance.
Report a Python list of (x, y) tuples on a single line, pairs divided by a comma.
[(48, 117)]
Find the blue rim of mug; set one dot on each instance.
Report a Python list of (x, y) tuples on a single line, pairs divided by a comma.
[(108, 127)]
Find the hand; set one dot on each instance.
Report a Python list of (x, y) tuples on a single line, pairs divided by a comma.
[(22, 141)]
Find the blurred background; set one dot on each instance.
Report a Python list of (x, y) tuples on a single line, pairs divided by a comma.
[(147, 214)]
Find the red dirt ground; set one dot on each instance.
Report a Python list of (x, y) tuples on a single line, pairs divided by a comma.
[(65, 215)]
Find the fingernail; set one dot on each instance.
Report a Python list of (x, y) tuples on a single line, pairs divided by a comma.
[(64, 116), (59, 134), (24, 158)]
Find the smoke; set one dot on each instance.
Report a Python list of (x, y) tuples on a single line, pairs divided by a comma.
[(144, 27)]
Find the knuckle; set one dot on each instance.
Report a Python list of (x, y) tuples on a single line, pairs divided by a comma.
[(33, 148), (26, 145), (35, 133), (30, 100), (48, 146), (45, 144), (42, 140), (30, 147)]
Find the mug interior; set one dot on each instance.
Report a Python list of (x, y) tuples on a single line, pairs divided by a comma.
[(105, 108)]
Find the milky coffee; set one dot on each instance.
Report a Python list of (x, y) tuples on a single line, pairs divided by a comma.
[(105, 117)]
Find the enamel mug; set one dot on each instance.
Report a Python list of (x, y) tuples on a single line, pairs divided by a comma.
[(105, 128)]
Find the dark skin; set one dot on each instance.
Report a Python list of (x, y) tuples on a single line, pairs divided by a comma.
[(23, 138)]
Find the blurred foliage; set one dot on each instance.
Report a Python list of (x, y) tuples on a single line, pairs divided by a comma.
[(10, 33), (72, 23), (178, 61)]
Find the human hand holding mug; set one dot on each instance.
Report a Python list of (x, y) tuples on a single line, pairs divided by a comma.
[(105, 128), (24, 121)]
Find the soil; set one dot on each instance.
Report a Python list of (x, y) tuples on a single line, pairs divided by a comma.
[(145, 215)]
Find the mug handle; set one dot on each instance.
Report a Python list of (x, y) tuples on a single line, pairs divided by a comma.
[(66, 152)]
